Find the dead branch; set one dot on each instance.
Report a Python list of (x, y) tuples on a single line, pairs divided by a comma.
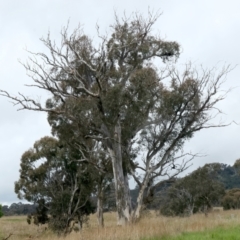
[(7, 236)]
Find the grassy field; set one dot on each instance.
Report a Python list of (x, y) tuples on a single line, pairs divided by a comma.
[(220, 225), (219, 233)]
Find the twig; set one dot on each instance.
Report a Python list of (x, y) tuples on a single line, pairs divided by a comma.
[(7, 236)]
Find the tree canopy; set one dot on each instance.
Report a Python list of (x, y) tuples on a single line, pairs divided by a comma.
[(52, 178), (231, 199), (198, 191)]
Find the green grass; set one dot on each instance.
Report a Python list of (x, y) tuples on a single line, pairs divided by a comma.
[(217, 234)]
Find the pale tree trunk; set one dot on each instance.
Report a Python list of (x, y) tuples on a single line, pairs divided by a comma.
[(140, 205), (190, 209), (100, 206), (122, 192)]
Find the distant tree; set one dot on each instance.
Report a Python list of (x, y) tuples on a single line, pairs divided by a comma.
[(229, 176), (18, 209), (236, 165), (113, 94), (1, 212), (231, 199), (5, 210), (196, 192), (52, 178)]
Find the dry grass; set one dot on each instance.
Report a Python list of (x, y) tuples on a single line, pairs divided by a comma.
[(149, 226)]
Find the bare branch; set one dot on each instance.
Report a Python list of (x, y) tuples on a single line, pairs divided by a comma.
[(7, 236)]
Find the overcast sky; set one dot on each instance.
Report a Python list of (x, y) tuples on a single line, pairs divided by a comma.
[(208, 32)]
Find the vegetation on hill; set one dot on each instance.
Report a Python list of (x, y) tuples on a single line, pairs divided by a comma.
[(197, 192)]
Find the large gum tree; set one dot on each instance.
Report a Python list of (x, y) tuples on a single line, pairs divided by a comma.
[(118, 98)]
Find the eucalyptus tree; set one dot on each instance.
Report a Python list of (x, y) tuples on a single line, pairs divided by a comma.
[(92, 153), (60, 186), (236, 165), (231, 199), (1, 212), (116, 97), (198, 191)]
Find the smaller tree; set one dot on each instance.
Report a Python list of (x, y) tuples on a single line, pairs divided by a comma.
[(231, 199), (236, 165), (1, 212), (53, 176), (195, 192)]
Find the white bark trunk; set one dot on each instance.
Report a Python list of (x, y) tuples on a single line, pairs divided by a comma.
[(122, 193), (123, 200), (137, 213)]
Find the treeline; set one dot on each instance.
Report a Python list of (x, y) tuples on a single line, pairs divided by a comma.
[(215, 184), (229, 175), (18, 209)]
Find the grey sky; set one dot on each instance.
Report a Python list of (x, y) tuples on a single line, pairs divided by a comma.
[(209, 34)]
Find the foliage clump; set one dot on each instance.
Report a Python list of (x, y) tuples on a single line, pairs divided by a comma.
[(231, 199), (51, 177), (1, 212), (198, 191)]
